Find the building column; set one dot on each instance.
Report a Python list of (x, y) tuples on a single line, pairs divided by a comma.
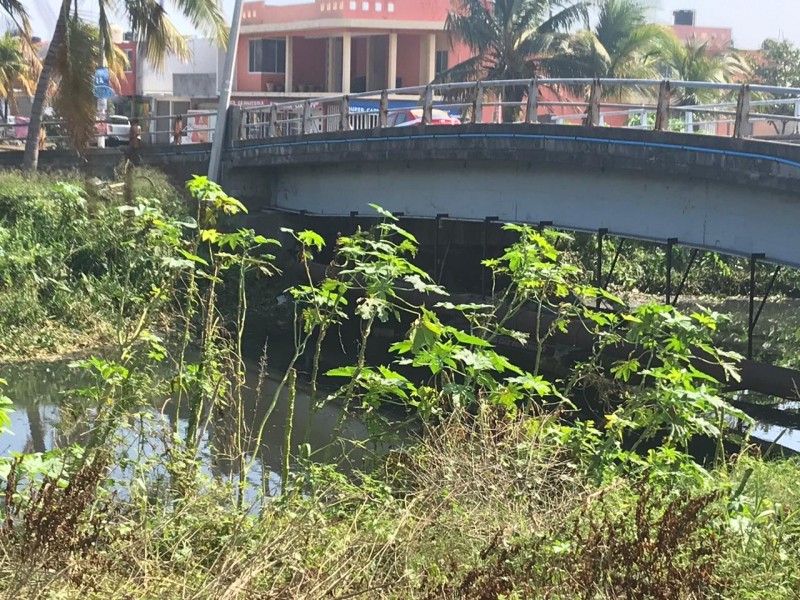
[(391, 67), (330, 84), (288, 74), (368, 83), (346, 62), (427, 58)]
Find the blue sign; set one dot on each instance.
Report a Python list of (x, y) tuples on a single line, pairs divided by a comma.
[(101, 77), (104, 92)]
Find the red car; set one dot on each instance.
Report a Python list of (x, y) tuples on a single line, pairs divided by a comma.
[(408, 117)]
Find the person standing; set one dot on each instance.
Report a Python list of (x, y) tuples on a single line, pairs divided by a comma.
[(134, 141), (178, 133)]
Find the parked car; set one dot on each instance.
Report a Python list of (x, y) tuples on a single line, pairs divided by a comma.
[(413, 116), (117, 130)]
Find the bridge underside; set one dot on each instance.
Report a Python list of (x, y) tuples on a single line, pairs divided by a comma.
[(651, 187), (719, 217)]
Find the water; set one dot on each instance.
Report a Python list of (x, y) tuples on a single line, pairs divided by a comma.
[(44, 418)]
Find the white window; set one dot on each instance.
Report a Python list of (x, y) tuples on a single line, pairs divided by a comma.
[(390, 7), (365, 6), (378, 7), (267, 56)]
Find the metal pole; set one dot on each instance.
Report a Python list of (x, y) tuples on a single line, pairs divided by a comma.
[(225, 94), (437, 225), (598, 279), (102, 103), (752, 307), (670, 243)]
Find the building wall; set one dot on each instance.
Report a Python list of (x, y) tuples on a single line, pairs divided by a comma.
[(309, 63), (127, 85), (408, 59), (717, 39), (257, 13), (205, 57)]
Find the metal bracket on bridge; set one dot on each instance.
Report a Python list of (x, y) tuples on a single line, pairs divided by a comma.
[(383, 110), (598, 277), (477, 103), (617, 254), (742, 127), (593, 112), (344, 114), (670, 244), (532, 109), (753, 316), (427, 105), (438, 225), (662, 110), (685, 276)]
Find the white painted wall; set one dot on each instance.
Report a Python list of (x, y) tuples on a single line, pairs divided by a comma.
[(206, 57)]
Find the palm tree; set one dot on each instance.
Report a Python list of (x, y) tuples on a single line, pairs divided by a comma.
[(694, 62), (512, 39), (16, 11), (19, 68), (151, 27), (622, 45)]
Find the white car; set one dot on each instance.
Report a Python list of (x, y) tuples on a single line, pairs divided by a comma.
[(117, 130)]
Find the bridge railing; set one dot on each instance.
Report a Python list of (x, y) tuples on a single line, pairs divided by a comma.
[(154, 129), (694, 107)]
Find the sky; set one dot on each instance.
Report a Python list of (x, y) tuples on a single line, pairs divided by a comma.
[(752, 22)]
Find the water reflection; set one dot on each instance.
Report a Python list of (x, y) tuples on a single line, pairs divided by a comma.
[(41, 411)]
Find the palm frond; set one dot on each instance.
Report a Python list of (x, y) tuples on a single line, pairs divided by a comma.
[(569, 15), (206, 16), (154, 31), (74, 100)]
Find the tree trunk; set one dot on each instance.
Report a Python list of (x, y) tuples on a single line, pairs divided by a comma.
[(30, 161)]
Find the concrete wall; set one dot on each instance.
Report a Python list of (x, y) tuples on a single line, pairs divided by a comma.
[(194, 85), (206, 58)]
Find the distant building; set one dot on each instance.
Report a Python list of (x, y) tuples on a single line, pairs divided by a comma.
[(341, 46), (651, 8), (716, 39)]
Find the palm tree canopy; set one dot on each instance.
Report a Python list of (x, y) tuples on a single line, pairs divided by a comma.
[(156, 34), (694, 62), (19, 66), (16, 11), (622, 45), (511, 39)]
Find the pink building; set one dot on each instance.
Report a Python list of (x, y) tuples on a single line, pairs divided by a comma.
[(341, 46), (716, 39)]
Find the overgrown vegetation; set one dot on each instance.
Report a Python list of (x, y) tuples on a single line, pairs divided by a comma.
[(506, 491), (68, 265)]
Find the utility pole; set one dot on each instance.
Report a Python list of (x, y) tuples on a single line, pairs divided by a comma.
[(225, 94), (102, 103)]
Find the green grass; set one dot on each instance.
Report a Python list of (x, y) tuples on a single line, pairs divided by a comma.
[(65, 261)]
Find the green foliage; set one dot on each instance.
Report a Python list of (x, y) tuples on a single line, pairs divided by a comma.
[(70, 259), (509, 491)]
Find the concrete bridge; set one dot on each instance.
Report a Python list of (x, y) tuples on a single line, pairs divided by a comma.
[(733, 196)]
